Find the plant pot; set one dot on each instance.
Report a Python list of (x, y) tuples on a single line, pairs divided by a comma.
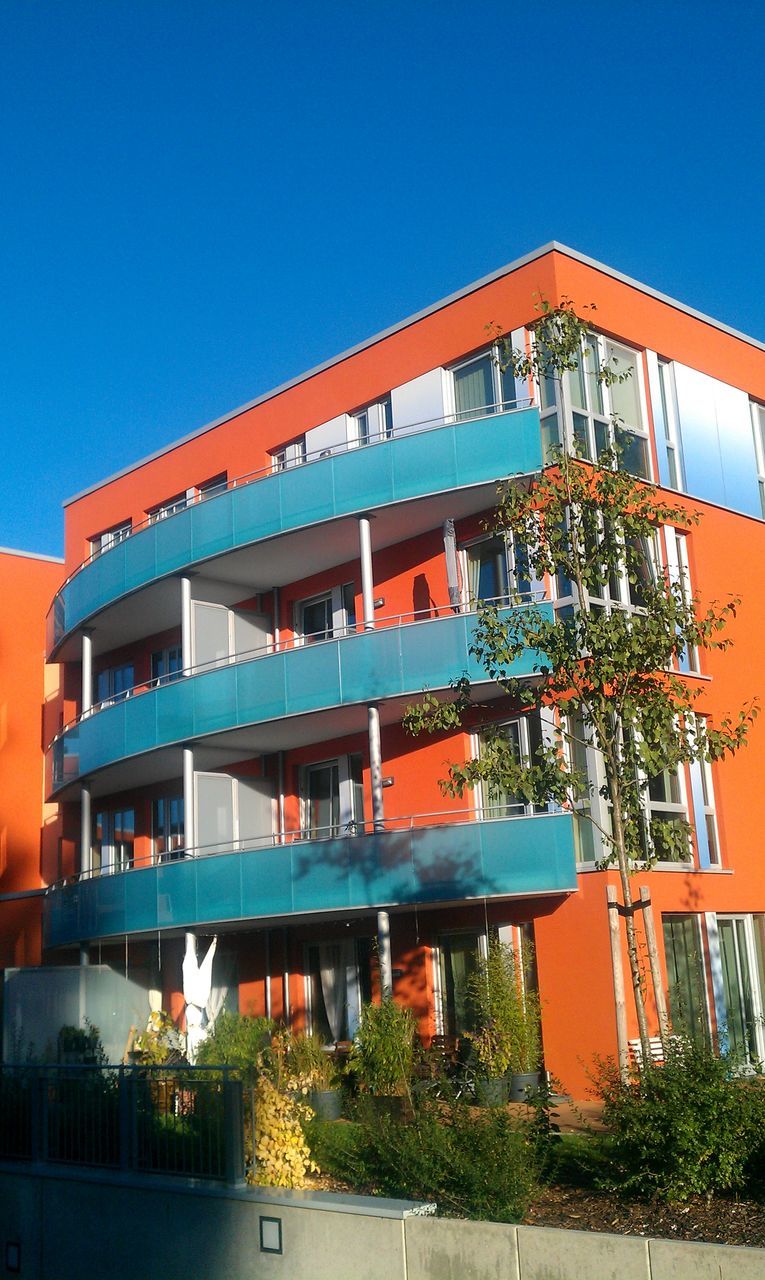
[(327, 1103), (523, 1085), (491, 1093)]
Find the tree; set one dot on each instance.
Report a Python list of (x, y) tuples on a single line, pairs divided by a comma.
[(610, 661)]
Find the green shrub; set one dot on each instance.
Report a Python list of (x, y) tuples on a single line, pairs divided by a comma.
[(685, 1128), (507, 1014), (475, 1165), (236, 1040), (383, 1052)]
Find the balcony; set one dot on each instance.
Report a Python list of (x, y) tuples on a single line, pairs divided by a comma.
[(499, 858), (269, 703), (461, 461)]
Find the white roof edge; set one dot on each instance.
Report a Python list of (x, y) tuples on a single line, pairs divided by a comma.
[(515, 265), (30, 555)]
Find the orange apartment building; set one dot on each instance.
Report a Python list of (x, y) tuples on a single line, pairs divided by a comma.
[(247, 613)]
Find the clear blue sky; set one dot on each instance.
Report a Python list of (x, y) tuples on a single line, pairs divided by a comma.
[(201, 198)]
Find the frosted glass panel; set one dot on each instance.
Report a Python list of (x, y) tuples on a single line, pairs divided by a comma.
[(718, 446), (210, 634), (255, 810), (215, 812)]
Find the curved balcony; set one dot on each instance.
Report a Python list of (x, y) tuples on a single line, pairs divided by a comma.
[(497, 858), (263, 704), (455, 458)]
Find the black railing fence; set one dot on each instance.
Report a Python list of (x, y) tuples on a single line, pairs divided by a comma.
[(168, 1120)]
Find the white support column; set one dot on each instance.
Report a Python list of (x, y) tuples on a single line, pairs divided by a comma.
[(277, 606), (186, 624), (280, 799), (86, 699), (367, 578), (85, 852), (383, 954), (189, 831), (375, 766)]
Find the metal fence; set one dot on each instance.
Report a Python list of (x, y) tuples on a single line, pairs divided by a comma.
[(169, 1120)]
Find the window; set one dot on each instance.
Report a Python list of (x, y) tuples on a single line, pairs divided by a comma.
[(457, 962), (589, 406), (167, 828), (480, 387), (338, 983), (685, 977), (626, 589), (333, 798), (109, 538), (678, 568), (211, 488), (583, 762), (667, 814), (497, 570), (741, 1032), (758, 424), (331, 614), (166, 664), (289, 455), (524, 736), (169, 508), (671, 420), (113, 838), (114, 684), (373, 422)]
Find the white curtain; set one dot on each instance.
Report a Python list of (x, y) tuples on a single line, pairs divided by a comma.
[(223, 976), (333, 966)]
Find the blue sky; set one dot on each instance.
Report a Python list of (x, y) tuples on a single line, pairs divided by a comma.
[(201, 198)]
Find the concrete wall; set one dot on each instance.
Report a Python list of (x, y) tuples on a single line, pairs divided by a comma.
[(68, 1226)]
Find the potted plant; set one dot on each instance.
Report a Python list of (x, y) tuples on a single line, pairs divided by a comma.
[(312, 1062), (382, 1056), (507, 1041)]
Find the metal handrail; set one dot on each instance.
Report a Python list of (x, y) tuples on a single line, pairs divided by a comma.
[(315, 455), (293, 642), (350, 830)]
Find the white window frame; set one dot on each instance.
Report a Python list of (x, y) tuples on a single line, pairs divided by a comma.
[(168, 508), (174, 851), (348, 820), (341, 625), (672, 442), (486, 812), (758, 431), (563, 413), (538, 589), (498, 405), (679, 570), (622, 600), (758, 995), (110, 538), (289, 455), (379, 423)]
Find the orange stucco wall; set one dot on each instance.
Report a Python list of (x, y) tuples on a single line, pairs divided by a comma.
[(26, 586)]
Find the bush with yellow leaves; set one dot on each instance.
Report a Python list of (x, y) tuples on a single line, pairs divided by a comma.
[(282, 1156)]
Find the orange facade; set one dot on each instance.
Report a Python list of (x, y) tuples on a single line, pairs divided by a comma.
[(26, 585), (305, 774)]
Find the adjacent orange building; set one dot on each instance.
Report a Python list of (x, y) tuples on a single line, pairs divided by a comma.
[(248, 612)]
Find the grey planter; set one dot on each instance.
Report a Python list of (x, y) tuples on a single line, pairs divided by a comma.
[(327, 1103), (491, 1093), (523, 1085)]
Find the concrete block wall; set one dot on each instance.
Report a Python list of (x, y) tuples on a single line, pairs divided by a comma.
[(68, 1225)]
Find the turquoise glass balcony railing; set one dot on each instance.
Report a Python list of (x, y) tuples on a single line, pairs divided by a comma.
[(411, 465), (366, 667), (499, 858)]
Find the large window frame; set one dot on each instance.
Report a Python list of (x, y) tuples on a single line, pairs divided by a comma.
[(168, 829), (500, 558), (596, 416), (346, 798), (109, 538), (112, 845), (479, 378), (338, 607), (758, 431)]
